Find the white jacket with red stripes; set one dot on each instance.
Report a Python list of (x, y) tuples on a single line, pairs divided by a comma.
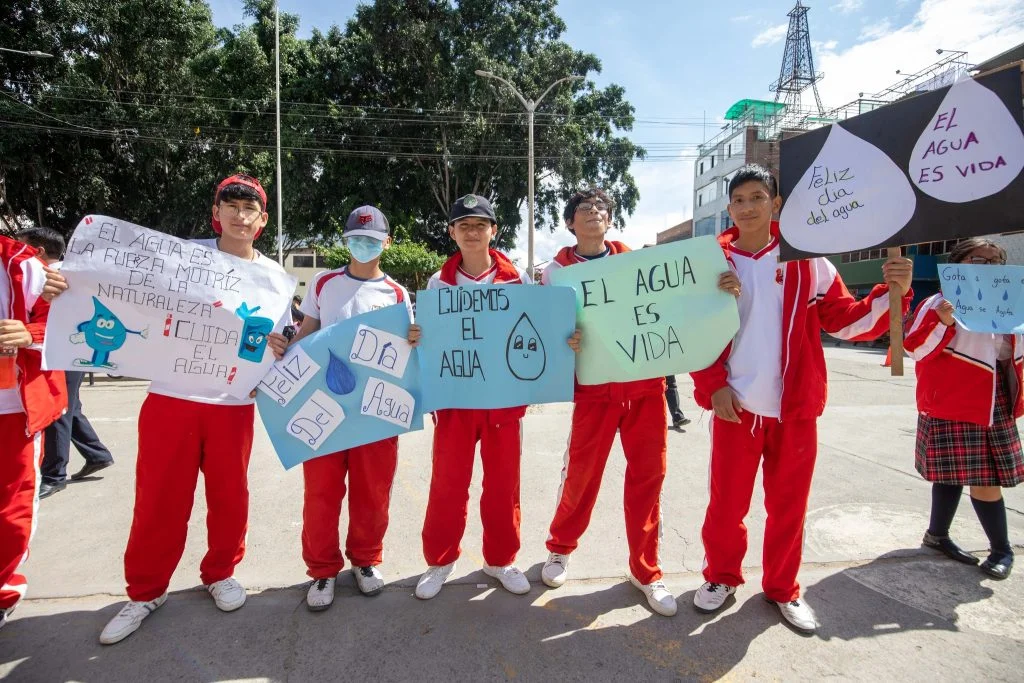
[(814, 299), (956, 368)]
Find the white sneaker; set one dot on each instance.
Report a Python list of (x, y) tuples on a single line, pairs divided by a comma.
[(658, 597), (128, 620), (513, 580), (430, 583), (320, 594), (556, 570), (369, 580), (228, 594), (711, 596), (799, 614)]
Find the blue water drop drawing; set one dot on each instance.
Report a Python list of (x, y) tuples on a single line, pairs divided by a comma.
[(339, 378), (1006, 295), (958, 291), (979, 295), (994, 326)]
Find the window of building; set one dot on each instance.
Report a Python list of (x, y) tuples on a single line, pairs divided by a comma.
[(700, 167), (303, 261), (725, 221), (705, 226), (712, 161), (728, 151)]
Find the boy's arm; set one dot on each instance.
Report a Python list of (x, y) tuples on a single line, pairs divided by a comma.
[(35, 281), (843, 316), (926, 336), (709, 380)]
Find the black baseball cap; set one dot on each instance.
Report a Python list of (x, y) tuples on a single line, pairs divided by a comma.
[(471, 205)]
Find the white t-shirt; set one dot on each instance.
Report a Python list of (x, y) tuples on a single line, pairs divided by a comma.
[(34, 278), (553, 265), (336, 295), (755, 363), (212, 395), (463, 278)]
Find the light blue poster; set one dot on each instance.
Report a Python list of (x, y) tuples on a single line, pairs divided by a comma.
[(497, 346), (985, 298), (349, 384)]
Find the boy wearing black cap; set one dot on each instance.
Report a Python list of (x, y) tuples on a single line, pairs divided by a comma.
[(333, 296), (472, 224), (212, 433)]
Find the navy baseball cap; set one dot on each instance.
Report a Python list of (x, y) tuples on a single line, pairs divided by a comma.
[(471, 205), (367, 221)]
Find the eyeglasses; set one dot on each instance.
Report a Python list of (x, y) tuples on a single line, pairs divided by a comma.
[(587, 206), (246, 213), (982, 261), (740, 202)]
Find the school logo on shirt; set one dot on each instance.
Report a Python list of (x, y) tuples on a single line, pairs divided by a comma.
[(778, 275)]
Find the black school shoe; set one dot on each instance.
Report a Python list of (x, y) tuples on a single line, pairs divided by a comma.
[(998, 565), (946, 546)]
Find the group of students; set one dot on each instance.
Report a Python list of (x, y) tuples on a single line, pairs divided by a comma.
[(766, 391)]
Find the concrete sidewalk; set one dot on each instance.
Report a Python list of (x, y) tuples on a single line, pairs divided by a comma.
[(888, 608)]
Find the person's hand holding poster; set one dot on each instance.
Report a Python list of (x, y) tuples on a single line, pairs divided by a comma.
[(985, 298), (652, 312), (496, 346), (144, 304), (352, 383)]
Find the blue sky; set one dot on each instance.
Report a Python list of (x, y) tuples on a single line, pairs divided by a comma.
[(685, 60)]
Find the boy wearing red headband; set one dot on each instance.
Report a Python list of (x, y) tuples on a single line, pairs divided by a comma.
[(213, 435)]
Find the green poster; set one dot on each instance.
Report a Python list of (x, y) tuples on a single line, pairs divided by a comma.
[(652, 312)]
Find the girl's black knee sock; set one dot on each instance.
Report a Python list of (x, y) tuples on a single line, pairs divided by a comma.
[(992, 515), (945, 499)]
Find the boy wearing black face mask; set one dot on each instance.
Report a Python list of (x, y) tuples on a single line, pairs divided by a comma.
[(333, 296)]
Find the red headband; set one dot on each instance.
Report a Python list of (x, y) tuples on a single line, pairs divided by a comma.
[(239, 179)]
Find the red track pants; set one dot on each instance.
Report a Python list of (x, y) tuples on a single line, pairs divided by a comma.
[(642, 425), (456, 433), (20, 456), (788, 450), (177, 440), (371, 471)]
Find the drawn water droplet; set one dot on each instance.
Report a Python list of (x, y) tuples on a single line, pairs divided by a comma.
[(980, 297), (524, 351), (850, 197), (958, 291), (994, 326), (975, 139), (1006, 295), (339, 377)]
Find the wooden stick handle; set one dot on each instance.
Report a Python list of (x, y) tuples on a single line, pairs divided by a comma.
[(895, 321)]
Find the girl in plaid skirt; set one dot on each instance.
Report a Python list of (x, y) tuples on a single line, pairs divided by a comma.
[(968, 397)]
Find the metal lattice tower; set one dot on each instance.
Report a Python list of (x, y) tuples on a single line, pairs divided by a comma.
[(797, 72)]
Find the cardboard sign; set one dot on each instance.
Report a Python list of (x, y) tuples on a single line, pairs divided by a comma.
[(144, 304), (652, 312), (941, 165), (496, 346), (352, 383), (985, 298)]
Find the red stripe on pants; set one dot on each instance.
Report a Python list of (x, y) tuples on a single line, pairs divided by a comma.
[(789, 449), (371, 471), (19, 462), (642, 425), (178, 439), (456, 433)]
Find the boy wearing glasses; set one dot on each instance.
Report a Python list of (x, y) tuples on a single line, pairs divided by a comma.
[(333, 296), (472, 224), (766, 410), (634, 409), (183, 433)]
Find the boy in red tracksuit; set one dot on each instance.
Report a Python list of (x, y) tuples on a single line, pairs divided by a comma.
[(472, 224), (30, 400), (634, 409), (183, 433), (768, 410), (333, 296)]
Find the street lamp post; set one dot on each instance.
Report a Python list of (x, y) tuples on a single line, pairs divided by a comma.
[(29, 53), (277, 92), (531, 107)]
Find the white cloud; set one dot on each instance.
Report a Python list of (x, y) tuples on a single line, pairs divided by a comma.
[(770, 36), (984, 28), (874, 31), (847, 6), (819, 46), (742, 17)]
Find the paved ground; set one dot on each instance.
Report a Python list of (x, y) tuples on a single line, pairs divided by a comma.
[(889, 609)]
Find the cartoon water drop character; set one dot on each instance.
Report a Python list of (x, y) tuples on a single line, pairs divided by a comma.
[(104, 333), (255, 330), (524, 351), (339, 377)]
